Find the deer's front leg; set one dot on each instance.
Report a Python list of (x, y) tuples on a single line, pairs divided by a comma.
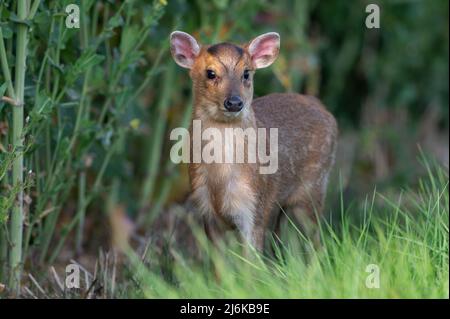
[(214, 231), (251, 230), (261, 224), (258, 237), (244, 223)]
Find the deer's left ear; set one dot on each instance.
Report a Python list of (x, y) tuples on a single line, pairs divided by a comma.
[(264, 49)]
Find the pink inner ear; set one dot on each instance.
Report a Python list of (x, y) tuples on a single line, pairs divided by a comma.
[(264, 47), (183, 47)]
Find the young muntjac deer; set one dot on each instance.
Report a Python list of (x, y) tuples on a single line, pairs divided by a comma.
[(236, 195)]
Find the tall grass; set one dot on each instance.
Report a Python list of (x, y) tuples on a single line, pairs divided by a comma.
[(406, 239)]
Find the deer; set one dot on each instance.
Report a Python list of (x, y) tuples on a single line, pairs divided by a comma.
[(235, 196)]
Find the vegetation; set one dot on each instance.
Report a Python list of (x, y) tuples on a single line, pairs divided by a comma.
[(409, 249), (84, 121)]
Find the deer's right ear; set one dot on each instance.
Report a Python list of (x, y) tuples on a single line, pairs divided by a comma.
[(184, 48)]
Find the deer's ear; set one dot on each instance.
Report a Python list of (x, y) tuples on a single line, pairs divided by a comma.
[(184, 48), (264, 49)]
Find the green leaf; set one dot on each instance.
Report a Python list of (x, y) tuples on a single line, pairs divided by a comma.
[(88, 59), (3, 89), (129, 38), (115, 21), (6, 30), (2, 93)]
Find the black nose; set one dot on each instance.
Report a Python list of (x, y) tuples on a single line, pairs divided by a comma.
[(233, 104)]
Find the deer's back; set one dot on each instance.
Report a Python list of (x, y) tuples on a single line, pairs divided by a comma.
[(307, 135)]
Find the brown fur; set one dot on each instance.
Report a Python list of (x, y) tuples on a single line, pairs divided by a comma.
[(232, 195)]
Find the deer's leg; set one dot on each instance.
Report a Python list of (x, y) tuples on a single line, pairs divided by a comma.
[(307, 218), (214, 231), (260, 226), (259, 236), (252, 231), (307, 205), (245, 224), (276, 231), (308, 199)]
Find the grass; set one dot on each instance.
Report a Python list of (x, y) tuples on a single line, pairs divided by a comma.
[(398, 248), (406, 239)]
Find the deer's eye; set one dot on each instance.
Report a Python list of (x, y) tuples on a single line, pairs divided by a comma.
[(246, 74), (210, 74)]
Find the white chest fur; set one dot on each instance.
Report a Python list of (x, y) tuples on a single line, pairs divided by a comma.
[(226, 191)]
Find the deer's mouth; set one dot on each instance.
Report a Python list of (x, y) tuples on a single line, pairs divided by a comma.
[(232, 114)]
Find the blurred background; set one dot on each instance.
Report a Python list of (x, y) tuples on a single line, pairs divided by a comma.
[(101, 100)]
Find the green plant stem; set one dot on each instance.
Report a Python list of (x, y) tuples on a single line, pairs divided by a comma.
[(168, 180), (159, 124), (83, 109), (5, 67), (15, 257), (4, 182), (33, 9), (57, 73), (3, 253), (82, 210)]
